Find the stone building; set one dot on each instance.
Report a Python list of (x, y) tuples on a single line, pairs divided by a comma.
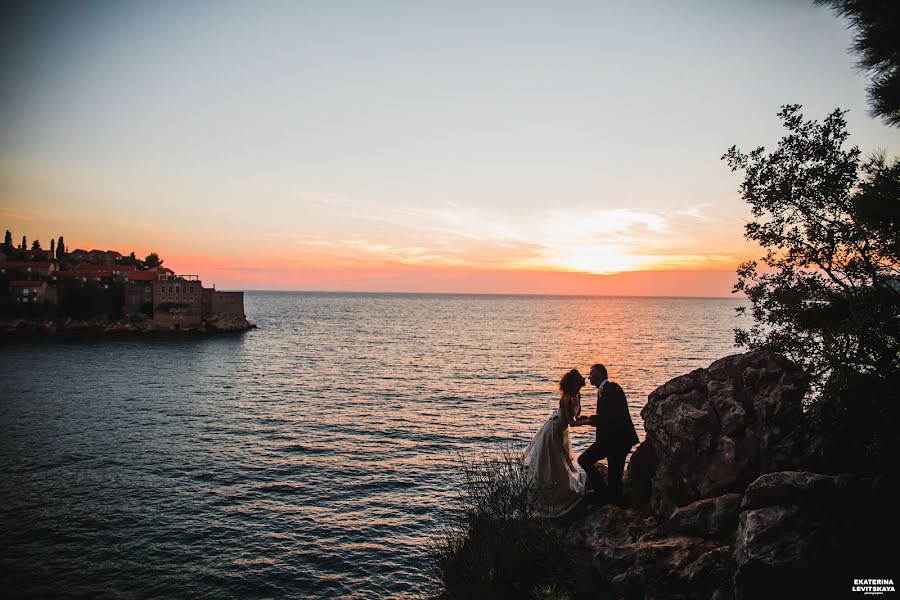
[(44, 255), (28, 268), (139, 293), (177, 301), (229, 304), (32, 292), (122, 272), (105, 257), (80, 277)]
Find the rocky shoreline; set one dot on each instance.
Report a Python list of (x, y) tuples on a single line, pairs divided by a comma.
[(728, 500), (135, 324)]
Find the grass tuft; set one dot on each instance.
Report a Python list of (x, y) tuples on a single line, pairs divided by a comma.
[(496, 545)]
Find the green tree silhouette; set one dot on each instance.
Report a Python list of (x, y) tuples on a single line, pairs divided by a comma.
[(152, 261), (877, 43), (826, 293)]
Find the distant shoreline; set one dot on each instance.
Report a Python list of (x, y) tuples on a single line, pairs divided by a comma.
[(31, 327)]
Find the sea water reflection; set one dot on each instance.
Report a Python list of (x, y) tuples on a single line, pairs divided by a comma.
[(309, 458)]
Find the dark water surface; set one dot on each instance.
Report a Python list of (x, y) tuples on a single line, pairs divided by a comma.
[(311, 458)]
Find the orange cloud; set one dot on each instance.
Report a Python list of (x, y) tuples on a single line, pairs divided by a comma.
[(275, 273)]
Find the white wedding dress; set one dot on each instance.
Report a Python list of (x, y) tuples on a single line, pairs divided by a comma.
[(550, 461)]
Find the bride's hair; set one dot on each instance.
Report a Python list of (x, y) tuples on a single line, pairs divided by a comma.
[(570, 390), (571, 383)]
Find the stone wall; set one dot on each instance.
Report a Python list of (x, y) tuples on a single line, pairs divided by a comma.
[(227, 303)]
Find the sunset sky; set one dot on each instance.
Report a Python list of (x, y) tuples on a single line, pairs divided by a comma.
[(500, 147)]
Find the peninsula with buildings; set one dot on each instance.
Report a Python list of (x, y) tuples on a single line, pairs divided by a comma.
[(57, 290)]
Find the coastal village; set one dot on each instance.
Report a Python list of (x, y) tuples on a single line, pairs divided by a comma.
[(78, 290)]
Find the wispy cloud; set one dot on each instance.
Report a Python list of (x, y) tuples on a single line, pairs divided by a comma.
[(597, 241)]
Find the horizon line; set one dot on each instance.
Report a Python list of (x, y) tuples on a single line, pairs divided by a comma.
[(383, 292)]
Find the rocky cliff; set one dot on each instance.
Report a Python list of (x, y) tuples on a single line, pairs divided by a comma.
[(715, 430), (722, 501)]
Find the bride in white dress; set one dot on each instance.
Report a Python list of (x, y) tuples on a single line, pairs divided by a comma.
[(549, 458)]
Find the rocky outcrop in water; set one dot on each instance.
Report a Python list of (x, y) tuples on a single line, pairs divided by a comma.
[(134, 324), (721, 504), (226, 323)]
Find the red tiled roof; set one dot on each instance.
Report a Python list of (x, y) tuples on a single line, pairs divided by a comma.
[(23, 283), (79, 274), (25, 263), (142, 276), (92, 267)]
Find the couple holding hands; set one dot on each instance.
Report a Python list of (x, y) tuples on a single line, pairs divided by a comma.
[(549, 457)]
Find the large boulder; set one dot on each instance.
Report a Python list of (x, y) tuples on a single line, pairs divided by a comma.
[(608, 525), (665, 567), (806, 534), (636, 558), (638, 480), (715, 430), (709, 518)]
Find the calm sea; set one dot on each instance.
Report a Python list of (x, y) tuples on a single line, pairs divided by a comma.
[(311, 458)]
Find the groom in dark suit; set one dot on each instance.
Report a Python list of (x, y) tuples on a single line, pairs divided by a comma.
[(615, 436)]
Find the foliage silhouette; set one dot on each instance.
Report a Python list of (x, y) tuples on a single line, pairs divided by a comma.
[(877, 43), (827, 293), (497, 546)]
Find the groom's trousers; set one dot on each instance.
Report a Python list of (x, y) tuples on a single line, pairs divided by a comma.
[(616, 463)]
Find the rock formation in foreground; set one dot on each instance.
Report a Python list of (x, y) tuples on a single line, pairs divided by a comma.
[(724, 503), (715, 430)]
